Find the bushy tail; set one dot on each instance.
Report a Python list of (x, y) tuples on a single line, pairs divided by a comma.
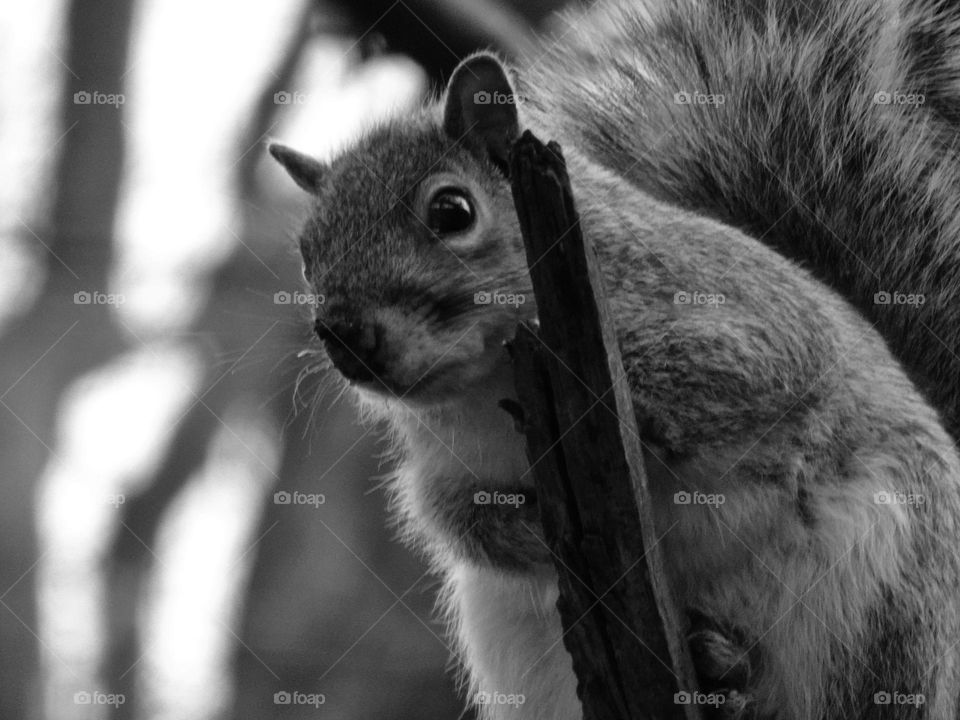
[(826, 128)]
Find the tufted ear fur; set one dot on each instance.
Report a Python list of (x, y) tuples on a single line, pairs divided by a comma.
[(305, 171), (480, 110)]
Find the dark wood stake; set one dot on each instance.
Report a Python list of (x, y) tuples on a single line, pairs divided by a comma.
[(621, 627)]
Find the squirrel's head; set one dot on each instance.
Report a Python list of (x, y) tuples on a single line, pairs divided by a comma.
[(415, 246)]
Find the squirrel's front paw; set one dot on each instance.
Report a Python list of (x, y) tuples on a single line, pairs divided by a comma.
[(725, 665)]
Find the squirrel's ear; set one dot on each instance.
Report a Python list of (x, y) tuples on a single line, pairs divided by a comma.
[(480, 109), (305, 171)]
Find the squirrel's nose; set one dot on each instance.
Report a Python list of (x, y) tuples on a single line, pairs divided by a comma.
[(353, 348)]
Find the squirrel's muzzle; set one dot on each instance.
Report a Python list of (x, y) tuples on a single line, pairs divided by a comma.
[(354, 348)]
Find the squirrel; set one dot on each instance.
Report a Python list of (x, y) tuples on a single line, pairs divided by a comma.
[(750, 175)]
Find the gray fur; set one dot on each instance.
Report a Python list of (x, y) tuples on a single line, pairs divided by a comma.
[(782, 398), (800, 156)]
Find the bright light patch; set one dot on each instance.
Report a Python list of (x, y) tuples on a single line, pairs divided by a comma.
[(204, 556), (113, 428)]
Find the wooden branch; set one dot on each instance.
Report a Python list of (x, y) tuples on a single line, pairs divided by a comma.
[(621, 627)]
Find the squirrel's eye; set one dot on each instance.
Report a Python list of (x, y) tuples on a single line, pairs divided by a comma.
[(450, 211)]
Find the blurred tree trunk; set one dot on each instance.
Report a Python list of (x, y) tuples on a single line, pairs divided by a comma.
[(438, 34), (58, 340)]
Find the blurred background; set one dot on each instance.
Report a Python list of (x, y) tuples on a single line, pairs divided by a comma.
[(152, 429)]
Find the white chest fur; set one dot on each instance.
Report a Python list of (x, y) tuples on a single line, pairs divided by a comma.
[(510, 639)]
